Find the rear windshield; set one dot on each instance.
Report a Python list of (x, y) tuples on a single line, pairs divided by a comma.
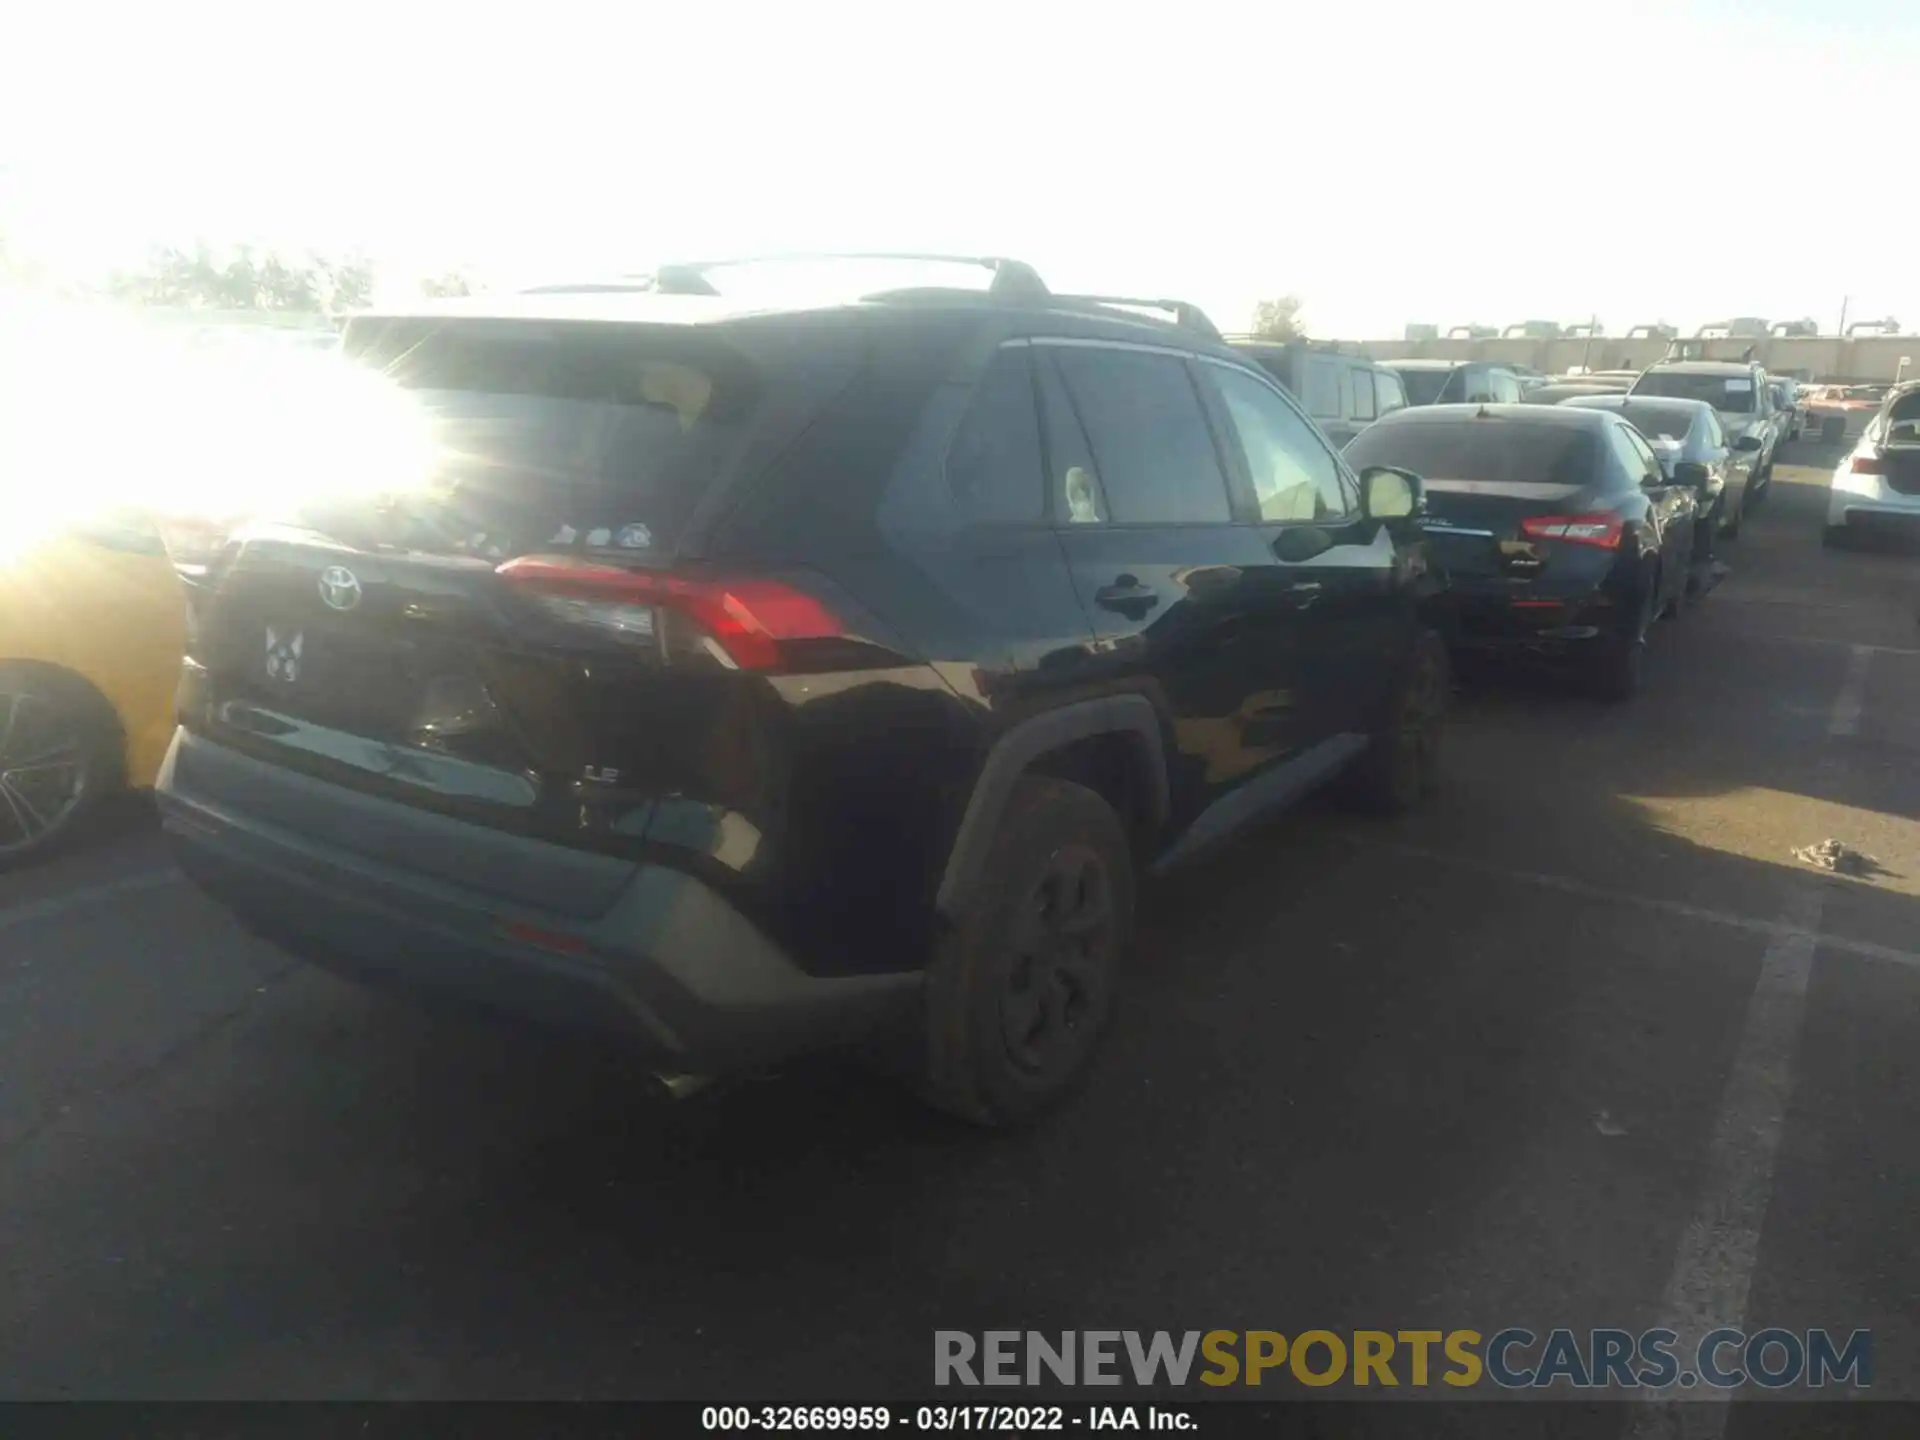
[(1729, 394), (1424, 386), (1656, 421), (1474, 449), (555, 437)]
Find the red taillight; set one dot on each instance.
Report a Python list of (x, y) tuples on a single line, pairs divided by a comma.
[(1603, 530), (1869, 465), (747, 618)]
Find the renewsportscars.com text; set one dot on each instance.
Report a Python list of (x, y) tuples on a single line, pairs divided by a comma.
[(1512, 1358)]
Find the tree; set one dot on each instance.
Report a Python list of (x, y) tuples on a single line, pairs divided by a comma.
[(1279, 319), (247, 279), (448, 286)]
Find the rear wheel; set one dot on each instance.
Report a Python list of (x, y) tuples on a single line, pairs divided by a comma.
[(1020, 992), (59, 755), (1616, 672), (1401, 765)]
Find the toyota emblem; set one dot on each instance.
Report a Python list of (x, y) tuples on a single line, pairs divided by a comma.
[(339, 587)]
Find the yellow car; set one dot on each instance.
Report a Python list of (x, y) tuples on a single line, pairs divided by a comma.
[(92, 627)]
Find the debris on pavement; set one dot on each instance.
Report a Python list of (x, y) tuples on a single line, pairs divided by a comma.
[(1608, 1126), (1833, 855)]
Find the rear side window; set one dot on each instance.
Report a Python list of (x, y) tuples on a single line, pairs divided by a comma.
[(994, 468), (1392, 394), (1321, 391), (1630, 467), (1424, 387), (537, 437), (1475, 449), (1361, 383), (1152, 449)]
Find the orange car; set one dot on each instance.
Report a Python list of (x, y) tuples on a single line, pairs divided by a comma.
[(92, 627)]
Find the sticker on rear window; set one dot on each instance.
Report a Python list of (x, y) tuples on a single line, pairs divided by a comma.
[(634, 537), (598, 538), (1739, 386)]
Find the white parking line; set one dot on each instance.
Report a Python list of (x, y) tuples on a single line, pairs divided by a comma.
[(1713, 1270), (1844, 721), (54, 906), (1752, 924)]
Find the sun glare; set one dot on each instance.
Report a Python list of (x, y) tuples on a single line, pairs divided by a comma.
[(211, 425)]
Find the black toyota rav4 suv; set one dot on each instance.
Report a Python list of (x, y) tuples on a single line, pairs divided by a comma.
[(749, 682)]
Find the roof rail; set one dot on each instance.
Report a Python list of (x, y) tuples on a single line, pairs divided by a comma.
[(1013, 282), (1010, 277), (1332, 347), (1187, 316)]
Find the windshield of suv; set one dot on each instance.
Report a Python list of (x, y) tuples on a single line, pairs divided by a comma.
[(1729, 394), (1474, 449)]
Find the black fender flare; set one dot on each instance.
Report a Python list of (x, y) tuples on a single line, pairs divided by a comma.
[(1132, 716)]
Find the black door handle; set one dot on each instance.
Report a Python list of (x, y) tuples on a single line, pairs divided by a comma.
[(1127, 595)]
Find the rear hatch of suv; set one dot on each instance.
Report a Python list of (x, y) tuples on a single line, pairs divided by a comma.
[(502, 610)]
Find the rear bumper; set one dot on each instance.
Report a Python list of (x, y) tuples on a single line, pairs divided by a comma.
[(669, 968), (1524, 622), (1897, 515)]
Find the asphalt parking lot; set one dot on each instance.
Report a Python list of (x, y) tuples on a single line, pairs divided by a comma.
[(1582, 1045)]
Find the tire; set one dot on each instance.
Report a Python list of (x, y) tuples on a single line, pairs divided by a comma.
[(1616, 670), (1401, 765), (1017, 1002), (60, 756)]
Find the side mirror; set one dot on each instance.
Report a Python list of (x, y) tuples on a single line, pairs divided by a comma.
[(1390, 493), (1747, 443), (1300, 543)]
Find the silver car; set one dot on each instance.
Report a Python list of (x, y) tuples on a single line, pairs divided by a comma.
[(1693, 448)]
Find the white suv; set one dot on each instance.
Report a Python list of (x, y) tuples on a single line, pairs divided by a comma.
[(1879, 483)]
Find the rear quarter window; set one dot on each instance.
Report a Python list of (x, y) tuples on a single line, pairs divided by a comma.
[(995, 469)]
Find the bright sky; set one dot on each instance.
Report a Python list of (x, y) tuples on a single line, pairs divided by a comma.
[(1387, 161)]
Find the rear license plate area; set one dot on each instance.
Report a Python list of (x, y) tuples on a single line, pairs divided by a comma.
[(347, 681)]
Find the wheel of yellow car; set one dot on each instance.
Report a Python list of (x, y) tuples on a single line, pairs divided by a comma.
[(59, 755)]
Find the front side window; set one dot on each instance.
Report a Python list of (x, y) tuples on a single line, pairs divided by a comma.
[(1295, 476), (1151, 446), (1393, 395)]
